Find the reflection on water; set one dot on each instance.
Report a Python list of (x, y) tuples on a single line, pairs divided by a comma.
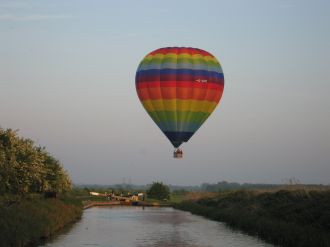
[(146, 227)]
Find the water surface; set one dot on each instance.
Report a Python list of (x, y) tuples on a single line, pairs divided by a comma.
[(150, 227)]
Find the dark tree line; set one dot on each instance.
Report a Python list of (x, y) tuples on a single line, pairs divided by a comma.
[(27, 168), (224, 185)]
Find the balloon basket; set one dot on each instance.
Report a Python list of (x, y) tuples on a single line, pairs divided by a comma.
[(178, 154)]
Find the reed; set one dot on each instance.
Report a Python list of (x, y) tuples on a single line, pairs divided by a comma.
[(285, 217)]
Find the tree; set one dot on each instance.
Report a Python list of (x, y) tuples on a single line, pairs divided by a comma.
[(57, 178), (26, 168), (158, 191)]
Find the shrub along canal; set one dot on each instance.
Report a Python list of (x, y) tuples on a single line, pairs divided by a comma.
[(125, 226)]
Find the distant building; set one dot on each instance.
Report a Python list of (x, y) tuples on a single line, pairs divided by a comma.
[(94, 193)]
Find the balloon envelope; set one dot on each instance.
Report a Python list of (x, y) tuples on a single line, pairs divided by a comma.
[(179, 87)]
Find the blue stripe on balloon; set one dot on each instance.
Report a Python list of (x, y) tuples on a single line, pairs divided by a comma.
[(169, 65), (178, 126)]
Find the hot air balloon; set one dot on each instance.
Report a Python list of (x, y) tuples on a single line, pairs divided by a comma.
[(179, 87)]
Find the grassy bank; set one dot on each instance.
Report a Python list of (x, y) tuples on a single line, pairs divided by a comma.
[(286, 218), (25, 221)]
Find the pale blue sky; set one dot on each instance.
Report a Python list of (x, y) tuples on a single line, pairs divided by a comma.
[(67, 73)]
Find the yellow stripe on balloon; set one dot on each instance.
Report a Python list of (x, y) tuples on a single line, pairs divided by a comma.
[(179, 105), (180, 56)]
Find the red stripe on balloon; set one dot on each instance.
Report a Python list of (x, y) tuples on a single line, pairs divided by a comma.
[(178, 77)]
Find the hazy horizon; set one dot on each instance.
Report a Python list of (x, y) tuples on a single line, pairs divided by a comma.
[(67, 81)]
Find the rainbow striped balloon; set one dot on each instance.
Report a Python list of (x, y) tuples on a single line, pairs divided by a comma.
[(179, 87)]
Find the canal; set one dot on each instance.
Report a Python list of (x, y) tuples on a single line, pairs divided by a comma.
[(120, 226)]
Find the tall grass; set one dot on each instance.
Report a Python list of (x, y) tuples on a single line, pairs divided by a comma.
[(25, 221), (286, 218)]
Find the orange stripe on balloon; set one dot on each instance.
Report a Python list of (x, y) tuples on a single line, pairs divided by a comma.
[(179, 93)]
